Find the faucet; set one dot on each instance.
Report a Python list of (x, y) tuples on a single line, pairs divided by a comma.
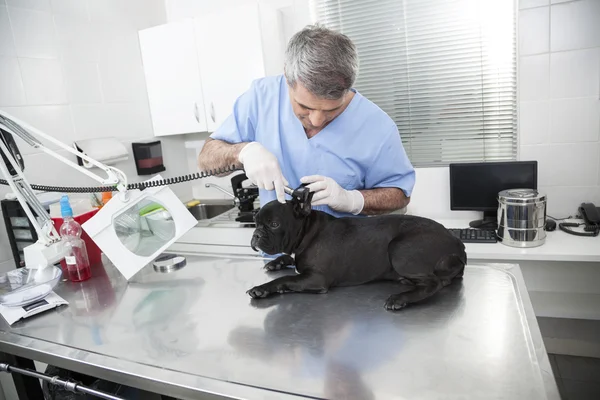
[(236, 201), (208, 185)]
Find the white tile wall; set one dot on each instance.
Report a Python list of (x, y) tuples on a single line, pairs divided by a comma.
[(559, 110), (76, 9), (123, 120), (575, 73), (74, 76), (12, 92), (563, 203), (534, 77), (575, 120), (145, 13), (40, 5), (54, 120), (535, 120), (534, 30), (567, 35), (43, 81), (7, 46), (107, 11), (577, 164), (572, 164), (122, 81), (77, 39), (33, 32), (119, 44), (82, 81), (599, 168), (523, 4)]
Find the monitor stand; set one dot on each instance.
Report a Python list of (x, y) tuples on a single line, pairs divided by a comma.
[(489, 221)]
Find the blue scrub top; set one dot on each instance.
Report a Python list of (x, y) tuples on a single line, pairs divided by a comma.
[(360, 149)]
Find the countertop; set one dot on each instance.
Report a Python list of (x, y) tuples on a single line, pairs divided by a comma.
[(195, 331), (559, 246)]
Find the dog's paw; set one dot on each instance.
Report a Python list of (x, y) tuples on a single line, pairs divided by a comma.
[(275, 265), (395, 303), (279, 263), (258, 292)]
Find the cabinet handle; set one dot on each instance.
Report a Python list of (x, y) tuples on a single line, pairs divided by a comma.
[(212, 111), (196, 114)]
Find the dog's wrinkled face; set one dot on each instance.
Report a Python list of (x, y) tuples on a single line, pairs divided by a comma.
[(277, 227)]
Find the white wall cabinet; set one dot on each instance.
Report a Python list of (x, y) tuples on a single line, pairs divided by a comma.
[(230, 44), (172, 78), (196, 68)]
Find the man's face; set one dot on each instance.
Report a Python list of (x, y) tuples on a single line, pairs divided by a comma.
[(313, 112)]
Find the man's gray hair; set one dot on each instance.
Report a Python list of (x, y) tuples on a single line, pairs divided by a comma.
[(324, 61)]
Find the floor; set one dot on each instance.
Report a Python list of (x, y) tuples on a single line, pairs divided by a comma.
[(578, 378)]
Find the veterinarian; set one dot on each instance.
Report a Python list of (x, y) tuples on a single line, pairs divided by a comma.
[(310, 126)]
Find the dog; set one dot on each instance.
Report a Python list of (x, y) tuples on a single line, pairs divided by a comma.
[(418, 253)]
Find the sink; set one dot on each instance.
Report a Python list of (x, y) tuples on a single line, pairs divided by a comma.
[(210, 209)]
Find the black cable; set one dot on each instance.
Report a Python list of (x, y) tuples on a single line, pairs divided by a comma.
[(559, 219), (139, 185), (588, 231)]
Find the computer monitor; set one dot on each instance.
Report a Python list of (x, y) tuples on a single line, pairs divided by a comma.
[(475, 186)]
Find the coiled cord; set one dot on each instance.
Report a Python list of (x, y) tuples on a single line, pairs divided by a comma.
[(138, 185)]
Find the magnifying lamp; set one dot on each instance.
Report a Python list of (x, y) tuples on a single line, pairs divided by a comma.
[(132, 229)]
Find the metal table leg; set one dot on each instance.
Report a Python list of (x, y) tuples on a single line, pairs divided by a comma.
[(28, 388)]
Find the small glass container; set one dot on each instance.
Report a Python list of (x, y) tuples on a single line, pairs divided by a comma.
[(24, 286)]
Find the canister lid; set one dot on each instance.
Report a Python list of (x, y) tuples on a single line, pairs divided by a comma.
[(521, 196), (169, 263)]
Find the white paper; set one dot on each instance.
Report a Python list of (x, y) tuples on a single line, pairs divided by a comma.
[(13, 314)]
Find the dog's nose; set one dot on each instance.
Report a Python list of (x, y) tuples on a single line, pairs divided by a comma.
[(256, 237), (254, 242)]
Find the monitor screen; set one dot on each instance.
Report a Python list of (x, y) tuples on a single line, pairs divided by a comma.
[(475, 186)]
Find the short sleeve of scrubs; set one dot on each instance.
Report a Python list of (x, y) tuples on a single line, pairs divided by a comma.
[(391, 167), (240, 124)]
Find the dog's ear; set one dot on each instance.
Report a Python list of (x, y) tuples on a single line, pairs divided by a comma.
[(302, 209), (301, 201)]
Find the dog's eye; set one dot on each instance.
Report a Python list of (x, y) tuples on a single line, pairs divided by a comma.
[(274, 224)]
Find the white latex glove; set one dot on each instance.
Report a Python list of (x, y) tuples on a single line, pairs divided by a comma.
[(262, 168), (328, 192)]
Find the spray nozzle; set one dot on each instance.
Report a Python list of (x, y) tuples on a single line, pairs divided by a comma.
[(65, 207)]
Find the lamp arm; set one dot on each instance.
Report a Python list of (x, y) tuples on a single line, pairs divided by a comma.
[(48, 249), (30, 134)]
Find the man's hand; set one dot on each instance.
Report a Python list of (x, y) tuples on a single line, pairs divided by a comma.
[(328, 192), (262, 168)]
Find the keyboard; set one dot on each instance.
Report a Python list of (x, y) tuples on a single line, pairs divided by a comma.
[(471, 235)]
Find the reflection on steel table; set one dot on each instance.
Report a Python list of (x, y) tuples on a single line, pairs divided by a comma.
[(195, 330)]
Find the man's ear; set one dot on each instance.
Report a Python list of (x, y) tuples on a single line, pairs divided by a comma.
[(302, 207)]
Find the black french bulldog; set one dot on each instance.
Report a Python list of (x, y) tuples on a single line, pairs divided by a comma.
[(417, 252)]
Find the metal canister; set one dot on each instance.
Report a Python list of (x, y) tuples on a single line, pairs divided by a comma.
[(521, 217)]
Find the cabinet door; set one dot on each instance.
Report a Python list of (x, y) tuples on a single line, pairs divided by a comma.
[(173, 79), (231, 57)]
